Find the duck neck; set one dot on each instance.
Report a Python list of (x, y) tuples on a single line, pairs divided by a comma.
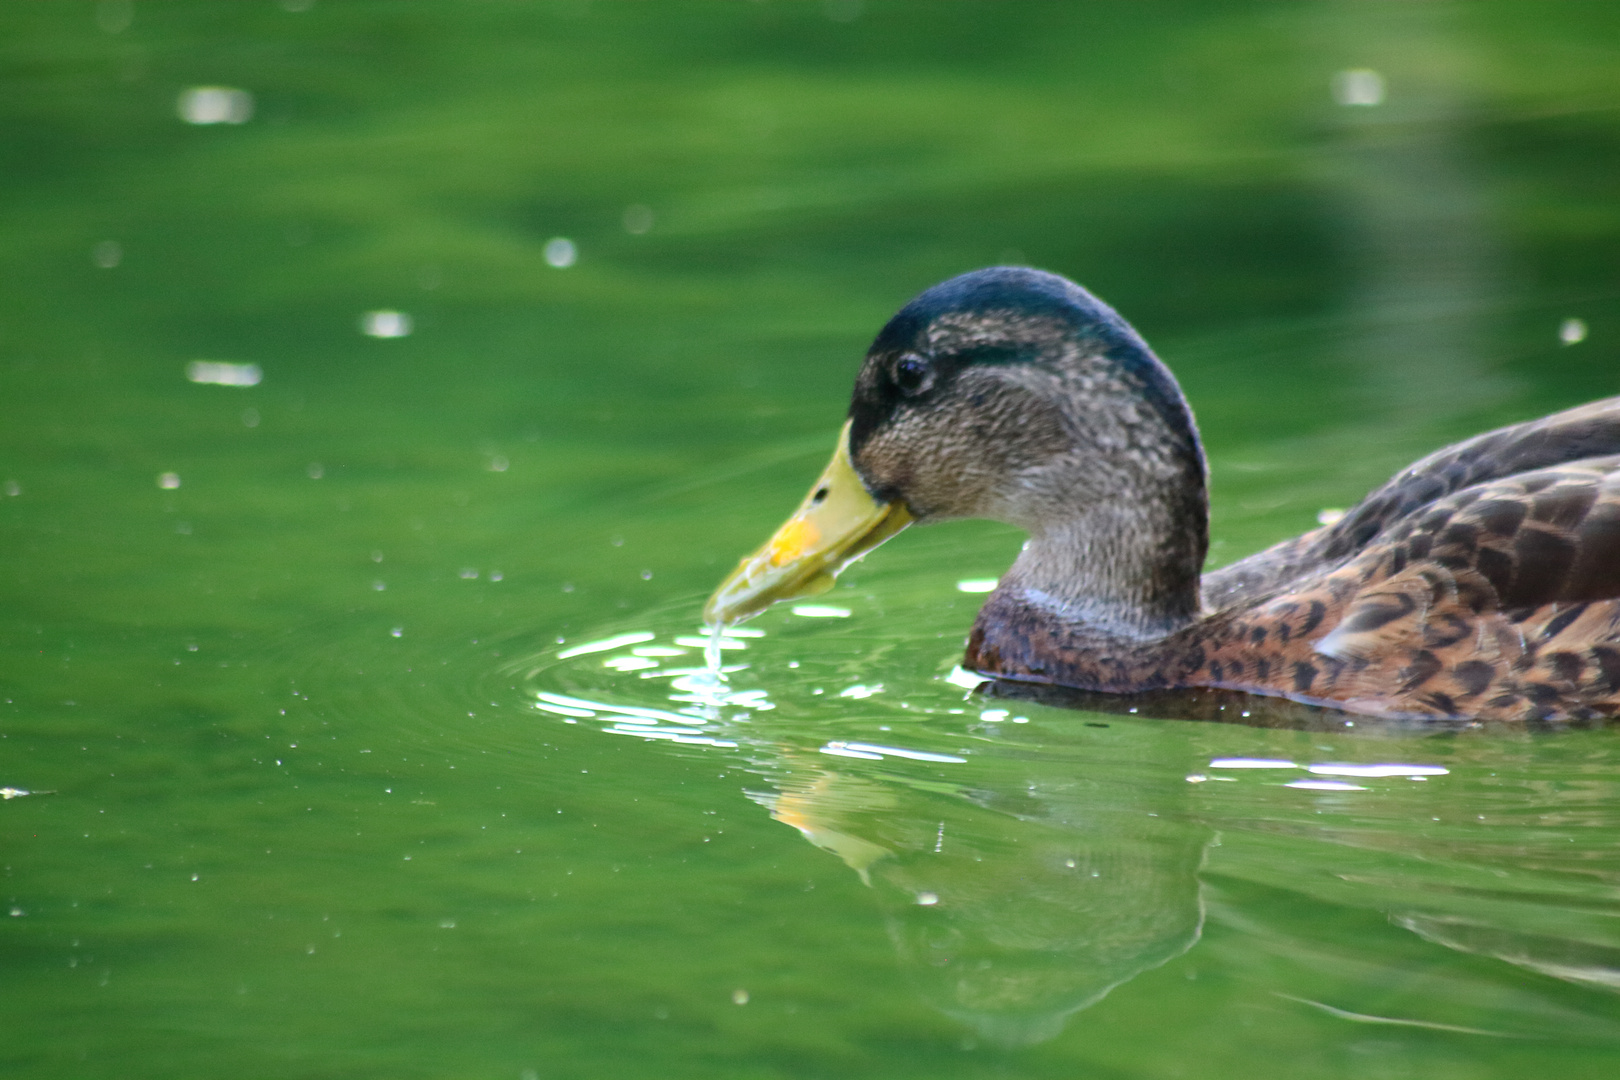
[(1127, 569)]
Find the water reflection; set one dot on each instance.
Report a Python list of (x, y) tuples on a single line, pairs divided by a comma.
[(1010, 907), (1024, 872)]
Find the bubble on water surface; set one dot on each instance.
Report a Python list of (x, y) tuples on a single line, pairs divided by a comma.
[(1572, 331), (976, 585), (107, 254), (168, 481)]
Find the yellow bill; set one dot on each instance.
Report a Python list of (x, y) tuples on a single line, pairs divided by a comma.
[(837, 523)]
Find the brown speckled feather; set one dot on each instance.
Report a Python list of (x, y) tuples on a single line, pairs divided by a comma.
[(1482, 582)]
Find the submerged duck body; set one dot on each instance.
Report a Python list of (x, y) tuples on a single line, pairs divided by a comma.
[(1483, 582)]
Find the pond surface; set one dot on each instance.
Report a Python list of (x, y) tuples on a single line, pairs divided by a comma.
[(345, 680)]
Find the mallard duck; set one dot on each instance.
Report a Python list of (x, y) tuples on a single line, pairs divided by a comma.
[(1482, 582)]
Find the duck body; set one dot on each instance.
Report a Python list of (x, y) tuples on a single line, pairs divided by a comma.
[(1482, 582), (1441, 596)]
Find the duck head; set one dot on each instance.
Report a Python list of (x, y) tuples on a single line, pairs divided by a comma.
[(1015, 395)]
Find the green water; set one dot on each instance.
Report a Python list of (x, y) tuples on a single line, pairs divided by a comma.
[(296, 810)]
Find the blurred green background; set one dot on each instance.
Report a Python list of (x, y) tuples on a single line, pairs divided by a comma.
[(1355, 230)]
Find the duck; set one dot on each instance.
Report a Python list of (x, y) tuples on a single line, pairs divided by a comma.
[(1481, 583)]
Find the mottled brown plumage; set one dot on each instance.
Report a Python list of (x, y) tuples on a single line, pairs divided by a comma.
[(1464, 587), (1482, 582)]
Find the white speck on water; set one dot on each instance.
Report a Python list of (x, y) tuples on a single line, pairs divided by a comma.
[(315, 470), (498, 464), (739, 997), (629, 663), (560, 252), (720, 640), (927, 899), (1378, 770), (385, 324), (1324, 785), (1358, 86), (1572, 331), (976, 585), (224, 373), (618, 641), (1329, 515), (820, 611), (993, 716), (168, 481), (107, 254), (214, 105), (1251, 763), (860, 691), (398, 631), (468, 573)]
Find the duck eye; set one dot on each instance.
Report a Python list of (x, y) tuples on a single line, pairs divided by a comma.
[(913, 375)]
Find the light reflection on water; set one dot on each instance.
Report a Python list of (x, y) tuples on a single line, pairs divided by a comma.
[(1023, 873)]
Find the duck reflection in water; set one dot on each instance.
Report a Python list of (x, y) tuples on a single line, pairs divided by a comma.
[(1015, 907)]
